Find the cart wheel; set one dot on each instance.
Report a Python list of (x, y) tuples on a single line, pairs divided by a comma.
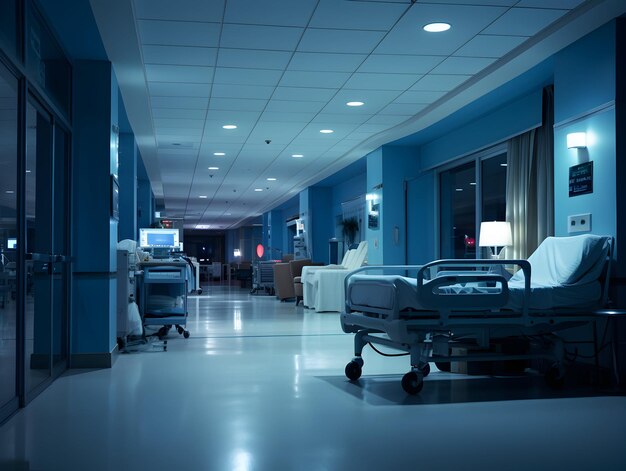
[(443, 366), (555, 377), (425, 369), (186, 334), (353, 370), (199, 291), (180, 329), (412, 383)]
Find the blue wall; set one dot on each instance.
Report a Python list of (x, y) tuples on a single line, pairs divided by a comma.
[(421, 219), (128, 187), (374, 236)]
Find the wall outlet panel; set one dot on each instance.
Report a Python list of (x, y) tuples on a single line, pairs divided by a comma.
[(579, 223)]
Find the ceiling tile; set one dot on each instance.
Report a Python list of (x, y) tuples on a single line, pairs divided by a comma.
[(237, 104), (260, 37), (195, 103), (402, 109), (241, 91), (356, 15), (276, 12), (304, 94), (168, 113), (278, 133), (381, 81), (179, 55), (523, 21), (341, 118), (408, 37), (281, 116), (401, 64), (187, 10), (253, 59), (373, 101), (332, 40), (462, 65), (233, 117), (320, 62), (177, 33), (178, 73), (439, 82), (563, 4), (295, 78), (390, 120), (183, 133), (295, 106), (419, 97), (178, 123), (503, 3), (490, 46), (179, 89), (247, 76)]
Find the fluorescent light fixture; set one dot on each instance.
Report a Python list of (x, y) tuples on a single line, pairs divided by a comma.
[(237, 253), (473, 183), (297, 156), (214, 168), (458, 189), (219, 154), (271, 179), (576, 140), (326, 131), (203, 197), (229, 126), (9, 192), (503, 165), (355, 103), (27, 171), (258, 189), (436, 27), (495, 234)]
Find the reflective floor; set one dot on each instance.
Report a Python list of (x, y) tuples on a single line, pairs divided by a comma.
[(259, 385)]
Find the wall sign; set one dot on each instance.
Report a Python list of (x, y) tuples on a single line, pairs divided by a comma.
[(581, 179)]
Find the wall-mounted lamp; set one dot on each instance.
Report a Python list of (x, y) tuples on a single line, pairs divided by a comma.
[(237, 253), (576, 140)]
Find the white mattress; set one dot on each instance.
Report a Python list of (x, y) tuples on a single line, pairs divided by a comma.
[(381, 291)]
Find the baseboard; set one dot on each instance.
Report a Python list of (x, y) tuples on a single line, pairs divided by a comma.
[(94, 360)]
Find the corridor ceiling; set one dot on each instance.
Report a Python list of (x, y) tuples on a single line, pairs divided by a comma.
[(283, 70)]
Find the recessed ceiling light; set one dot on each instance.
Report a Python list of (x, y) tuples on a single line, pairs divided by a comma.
[(355, 103), (271, 179), (297, 156), (9, 192), (203, 197), (258, 189), (459, 189), (228, 214), (436, 27), (326, 131), (202, 226), (229, 126), (28, 171), (503, 165), (214, 168), (219, 154), (473, 183)]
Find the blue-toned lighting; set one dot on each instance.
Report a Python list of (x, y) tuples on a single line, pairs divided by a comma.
[(437, 27)]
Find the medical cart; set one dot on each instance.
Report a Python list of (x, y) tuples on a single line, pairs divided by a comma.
[(162, 289)]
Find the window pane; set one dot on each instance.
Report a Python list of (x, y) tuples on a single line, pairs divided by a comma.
[(493, 192), (8, 26), (458, 212)]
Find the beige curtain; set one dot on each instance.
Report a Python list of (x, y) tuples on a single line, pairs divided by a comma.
[(530, 184)]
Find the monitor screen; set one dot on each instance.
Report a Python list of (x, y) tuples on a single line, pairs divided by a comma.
[(11, 243), (158, 238)]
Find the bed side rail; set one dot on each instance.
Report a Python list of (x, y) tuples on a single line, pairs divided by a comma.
[(432, 296)]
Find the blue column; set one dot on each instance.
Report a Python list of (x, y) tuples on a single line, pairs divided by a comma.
[(145, 199), (128, 187), (94, 230), (277, 222)]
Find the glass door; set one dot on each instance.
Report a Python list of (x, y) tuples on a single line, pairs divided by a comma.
[(38, 264), (8, 242)]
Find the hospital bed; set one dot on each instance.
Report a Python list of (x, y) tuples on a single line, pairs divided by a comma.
[(432, 308)]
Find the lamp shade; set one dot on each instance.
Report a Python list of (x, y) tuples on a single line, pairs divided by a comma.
[(495, 234)]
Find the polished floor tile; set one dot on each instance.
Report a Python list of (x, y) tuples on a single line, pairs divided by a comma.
[(259, 385)]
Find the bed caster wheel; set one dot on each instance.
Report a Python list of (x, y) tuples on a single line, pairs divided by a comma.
[(180, 330), (353, 370), (186, 334), (412, 382), (425, 369), (443, 366), (555, 378), (199, 291)]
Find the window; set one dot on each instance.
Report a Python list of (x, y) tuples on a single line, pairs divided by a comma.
[(469, 193)]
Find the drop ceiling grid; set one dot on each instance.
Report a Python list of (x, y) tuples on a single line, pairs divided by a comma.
[(228, 84)]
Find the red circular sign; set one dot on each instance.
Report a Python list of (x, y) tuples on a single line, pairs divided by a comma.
[(260, 250)]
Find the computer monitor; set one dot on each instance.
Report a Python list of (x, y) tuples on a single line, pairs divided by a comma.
[(11, 243), (158, 238)]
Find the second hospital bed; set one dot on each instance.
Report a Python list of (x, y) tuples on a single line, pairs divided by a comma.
[(450, 303)]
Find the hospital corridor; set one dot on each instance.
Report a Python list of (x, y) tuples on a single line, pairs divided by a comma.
[(260, 385)]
